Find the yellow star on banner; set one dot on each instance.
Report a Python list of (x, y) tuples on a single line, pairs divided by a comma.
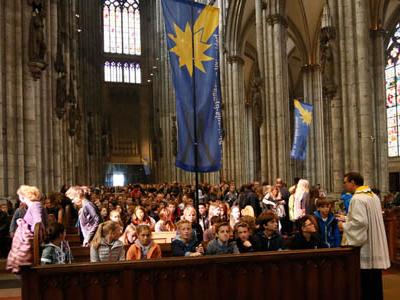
[(204, 27), (306, 115)]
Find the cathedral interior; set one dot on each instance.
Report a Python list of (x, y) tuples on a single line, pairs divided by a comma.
[(86, 93)]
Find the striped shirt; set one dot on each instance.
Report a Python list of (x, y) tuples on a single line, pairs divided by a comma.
[(113, 251)]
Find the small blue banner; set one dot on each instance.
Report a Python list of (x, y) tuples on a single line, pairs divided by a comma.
[(303, 119)]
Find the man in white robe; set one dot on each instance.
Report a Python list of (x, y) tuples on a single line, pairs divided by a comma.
[(364, 228)]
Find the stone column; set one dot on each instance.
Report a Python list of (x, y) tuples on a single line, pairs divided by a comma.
[(3, 141), (235, 138), (276, 104), (379, 112), (316, 152)]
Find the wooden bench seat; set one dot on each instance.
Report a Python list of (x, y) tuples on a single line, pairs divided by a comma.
[(328, 274)]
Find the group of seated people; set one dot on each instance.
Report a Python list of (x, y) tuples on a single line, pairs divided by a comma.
[(118, 224), (220, 228)]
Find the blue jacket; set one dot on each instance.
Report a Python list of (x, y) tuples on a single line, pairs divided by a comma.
[(180, 248), (329, 230)]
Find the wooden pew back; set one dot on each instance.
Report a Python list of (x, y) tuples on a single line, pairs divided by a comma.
[(328, 274)]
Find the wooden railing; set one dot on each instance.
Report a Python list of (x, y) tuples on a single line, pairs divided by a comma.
[(328, 274), (392, 226)]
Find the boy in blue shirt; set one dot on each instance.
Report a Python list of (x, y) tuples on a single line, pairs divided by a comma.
[(327, 223)]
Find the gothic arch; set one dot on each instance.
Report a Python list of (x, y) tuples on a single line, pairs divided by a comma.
[(233, 25)]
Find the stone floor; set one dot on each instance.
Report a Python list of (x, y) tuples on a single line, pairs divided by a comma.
[(10, 286)]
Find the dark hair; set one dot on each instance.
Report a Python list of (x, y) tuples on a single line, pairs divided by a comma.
[(53, 231), (241, 224), (215, 220), (355, 177), (266, 217), (221, 224), (302, 221), (322, 202)]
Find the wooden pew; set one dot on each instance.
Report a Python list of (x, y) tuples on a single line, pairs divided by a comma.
[(392, 226), (328, 274), (82, 254)]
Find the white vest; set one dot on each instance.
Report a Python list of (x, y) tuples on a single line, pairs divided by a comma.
[(364, 228)]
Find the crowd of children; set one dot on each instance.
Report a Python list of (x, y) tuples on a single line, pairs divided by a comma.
[(117, 223)]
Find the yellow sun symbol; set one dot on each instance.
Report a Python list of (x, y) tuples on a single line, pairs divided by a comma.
[(305, 114), (204, 27)]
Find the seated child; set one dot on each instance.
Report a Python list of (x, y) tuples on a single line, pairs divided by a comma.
[(243, 240), (144, 247), (307, 237), (268, 238), (105, 245), (221, 244), (185, 244), (327, 223), (209, 234), (56, 250), (115, 216), (189, 214)]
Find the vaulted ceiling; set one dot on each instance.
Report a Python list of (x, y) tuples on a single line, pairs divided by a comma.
[(304, 20)]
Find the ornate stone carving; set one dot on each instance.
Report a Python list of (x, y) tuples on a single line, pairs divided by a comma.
[(256, 99), (72, 119), (61, 94), (37, 47), (329, 84)]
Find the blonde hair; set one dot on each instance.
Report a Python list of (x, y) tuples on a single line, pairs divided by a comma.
[(103, 230), (74, 192), (32, 193), (183, 222)]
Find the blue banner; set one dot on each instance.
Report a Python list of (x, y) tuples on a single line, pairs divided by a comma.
[(303, 118), (184, 21)]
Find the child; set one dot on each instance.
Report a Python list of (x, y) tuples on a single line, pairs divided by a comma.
[(307, 237), (115, 216), (185, 244), (164, 224), (327, 223), (268, 238), (105, 245), (189, 214), (221, 244), (209, 234), (144, 247), (243, 240), (56, 250)]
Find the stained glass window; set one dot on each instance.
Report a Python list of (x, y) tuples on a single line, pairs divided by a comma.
[(127, 72), (121, 27), (392, 80)]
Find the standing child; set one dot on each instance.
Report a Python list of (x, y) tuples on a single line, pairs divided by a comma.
[(144, 247), (185, 243), (221, 244), (327, 223), (56, 250), (243, 240), (105, 245)]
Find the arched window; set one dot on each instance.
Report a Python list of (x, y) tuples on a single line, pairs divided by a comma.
[(122, 42), (121, 27), (392, 78), (122, 72)]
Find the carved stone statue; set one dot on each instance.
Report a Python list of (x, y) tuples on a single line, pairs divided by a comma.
[(256, 99), (37, 46), (327, 61), (61, 95)]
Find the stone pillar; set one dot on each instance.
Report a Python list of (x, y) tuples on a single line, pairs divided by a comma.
[(276, 104), (3, 141), (379, 112), (316, 153), (235, 138)]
